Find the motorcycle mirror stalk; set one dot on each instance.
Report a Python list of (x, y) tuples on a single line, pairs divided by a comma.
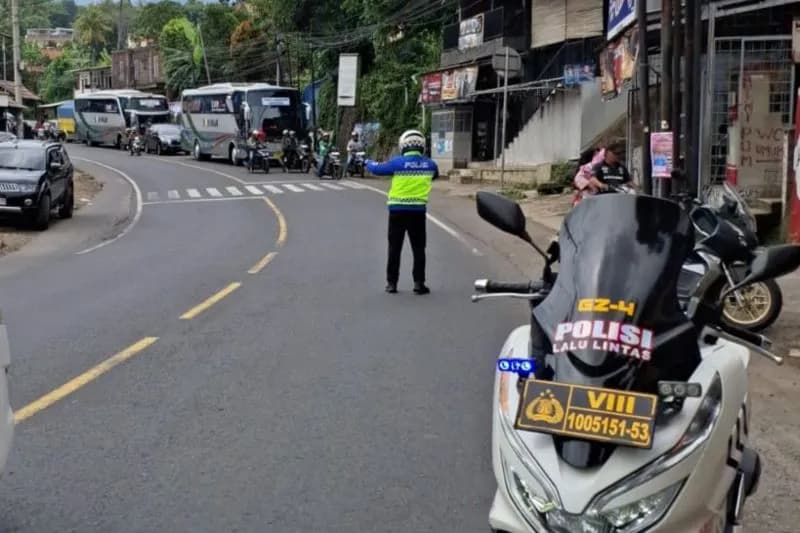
[(770, 262)]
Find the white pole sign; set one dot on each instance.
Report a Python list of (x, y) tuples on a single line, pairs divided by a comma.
[(348, 80)]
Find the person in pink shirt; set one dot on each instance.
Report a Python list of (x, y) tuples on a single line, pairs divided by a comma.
[(583, 182)]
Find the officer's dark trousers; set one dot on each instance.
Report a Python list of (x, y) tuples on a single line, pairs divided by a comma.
[(401, 222)]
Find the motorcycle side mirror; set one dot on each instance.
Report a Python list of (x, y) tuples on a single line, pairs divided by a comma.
[(502, 213), (771, 262)]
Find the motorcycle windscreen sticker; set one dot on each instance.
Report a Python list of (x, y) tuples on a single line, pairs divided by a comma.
[(591, 413), (605, 336)]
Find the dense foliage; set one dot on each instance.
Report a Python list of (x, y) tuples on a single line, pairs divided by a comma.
[(251, 40)]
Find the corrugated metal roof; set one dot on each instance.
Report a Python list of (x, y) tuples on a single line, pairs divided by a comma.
[(8, 87)]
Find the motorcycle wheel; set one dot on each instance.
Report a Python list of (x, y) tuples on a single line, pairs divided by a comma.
[(266, 166), (361, 171), (305, 166), (763, 302)]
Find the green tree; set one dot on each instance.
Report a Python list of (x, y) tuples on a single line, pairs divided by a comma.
[(151, 18), (94, 27), (182, 53), (63, 14), (58, 80)]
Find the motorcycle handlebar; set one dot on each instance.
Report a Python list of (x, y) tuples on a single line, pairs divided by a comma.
[(490, 286)]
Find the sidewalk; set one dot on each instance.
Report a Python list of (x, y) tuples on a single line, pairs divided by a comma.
[(547, 210)]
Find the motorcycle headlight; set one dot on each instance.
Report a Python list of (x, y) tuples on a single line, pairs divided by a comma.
[(642, 513), (26, 187)]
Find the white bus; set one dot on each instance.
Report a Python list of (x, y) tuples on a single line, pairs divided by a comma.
[(215, 122), (101, 117)]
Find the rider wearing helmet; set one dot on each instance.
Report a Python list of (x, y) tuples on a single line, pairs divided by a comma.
[(324, 148), (353, 146), (610, 171), (411, 174)]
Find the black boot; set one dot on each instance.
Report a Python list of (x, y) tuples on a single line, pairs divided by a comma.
[(391, 288), (420, 288)]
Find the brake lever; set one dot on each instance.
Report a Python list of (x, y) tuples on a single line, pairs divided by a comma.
[(761, 350), (518, 296)]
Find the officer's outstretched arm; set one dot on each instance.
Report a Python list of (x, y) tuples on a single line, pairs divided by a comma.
[(380, 169)]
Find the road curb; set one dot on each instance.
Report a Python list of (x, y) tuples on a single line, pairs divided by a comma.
[(105, 217)]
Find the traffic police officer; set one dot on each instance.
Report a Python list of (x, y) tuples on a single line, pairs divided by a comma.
[(411, 174)]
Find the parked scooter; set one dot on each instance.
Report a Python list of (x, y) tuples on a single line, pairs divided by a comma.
[(727, 233), (609, 413)]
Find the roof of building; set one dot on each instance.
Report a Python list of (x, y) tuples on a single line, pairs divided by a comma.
[(8, 87)]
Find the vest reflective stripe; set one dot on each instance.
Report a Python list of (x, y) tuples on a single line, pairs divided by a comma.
[(410, 188)]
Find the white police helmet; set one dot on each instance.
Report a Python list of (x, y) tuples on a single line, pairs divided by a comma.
[(412, 140)]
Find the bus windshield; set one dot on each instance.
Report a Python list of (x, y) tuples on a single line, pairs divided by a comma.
[(149, 104), (275, 110)]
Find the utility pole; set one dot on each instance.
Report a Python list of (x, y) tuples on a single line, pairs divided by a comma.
[(278, 59), (119, 27), (16, 56), (205, 57), (644, 95), (689, 111), (677, 53), (666, 76)]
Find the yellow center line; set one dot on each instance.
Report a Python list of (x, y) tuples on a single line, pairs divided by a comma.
[(258, 267), (281, 222), (196, 310), (81, 380)]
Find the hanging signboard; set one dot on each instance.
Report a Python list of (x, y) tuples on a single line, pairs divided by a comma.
[(621, 14), (617, 64), (577, 74), (432, 88), (458, 84), (348, 79), (470, 32)]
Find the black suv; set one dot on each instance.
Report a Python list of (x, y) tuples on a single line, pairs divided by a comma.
[(35, 177)]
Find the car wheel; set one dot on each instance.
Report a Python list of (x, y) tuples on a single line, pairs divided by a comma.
[(68, 206), (41, 216), (196, 151), (158, 148)]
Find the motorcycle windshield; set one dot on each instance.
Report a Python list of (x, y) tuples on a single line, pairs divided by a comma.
[(719, 194), (612, 319)]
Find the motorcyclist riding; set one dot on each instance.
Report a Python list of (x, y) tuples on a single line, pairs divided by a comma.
[(289, 148), (353, 146), (324, 149), (610, 171)]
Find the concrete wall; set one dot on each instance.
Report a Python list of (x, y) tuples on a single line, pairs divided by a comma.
[(597, 116), (553, 133)]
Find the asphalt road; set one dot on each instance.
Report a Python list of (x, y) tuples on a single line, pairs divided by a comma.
[(305, 399), (301, 397)]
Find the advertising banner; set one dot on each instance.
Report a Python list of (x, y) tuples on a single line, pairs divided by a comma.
[(661, 154), (459, 83), (432, 88), (618, 63), (470, 32)]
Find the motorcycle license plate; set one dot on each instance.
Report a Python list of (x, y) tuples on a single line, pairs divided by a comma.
[(591, 413)]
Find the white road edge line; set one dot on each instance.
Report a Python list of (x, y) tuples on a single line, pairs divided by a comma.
[(137, 193), (447, 229)]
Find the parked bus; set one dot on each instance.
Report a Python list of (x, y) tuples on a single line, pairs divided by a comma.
[(215, 123), (102, 117)]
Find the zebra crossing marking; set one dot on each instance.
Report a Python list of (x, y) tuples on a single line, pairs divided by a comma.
[(312, 187), (234, 191), (254, 190), (273, 188), (213, 192), (193, 193), (293, 188), (173, 195)]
